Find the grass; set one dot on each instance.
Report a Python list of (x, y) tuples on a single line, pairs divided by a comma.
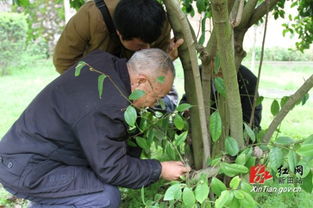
[(21, 86), (278, 79)]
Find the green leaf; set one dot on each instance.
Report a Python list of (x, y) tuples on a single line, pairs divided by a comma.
[(284, 140), (231, 146), (200, 5), (248, 201), (220, 86), (170, 151), (276, 158), (217, 64), (284, 100), (173, 192), (188, 197), (179, 139), (250, 132), (179, 122), (307, 184), (23, 3), (150, 136), (305, 98), (201, 39), (183, 107), (250, 162), (100, 84), (305, 150), (215, 162), (241, 159), (79, 67), (131, 143), (206, 204), (275, 107), (306, 168), (136, 94), (259, 100), (292, 160), (215, 126), (202, 192), (234, 203), (245, 186), (234, 183), (142, 191), (162, 104), (142, 142), (130, 116), (232, 169), (238, 194), (217, 186), (308, 140), (225, 197), (160, 79)]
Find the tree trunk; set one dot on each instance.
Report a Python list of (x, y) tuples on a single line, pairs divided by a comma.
[(188, 56), (224, 36)]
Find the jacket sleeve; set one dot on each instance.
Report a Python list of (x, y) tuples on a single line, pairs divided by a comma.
[(73, 41), (101, 139)]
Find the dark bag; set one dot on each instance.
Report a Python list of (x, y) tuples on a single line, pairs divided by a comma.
[(108, 20)]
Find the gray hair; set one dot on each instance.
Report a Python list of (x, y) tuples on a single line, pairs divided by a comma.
[(152, 60)]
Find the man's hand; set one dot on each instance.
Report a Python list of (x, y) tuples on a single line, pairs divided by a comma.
[(172, 51), (172, 170)]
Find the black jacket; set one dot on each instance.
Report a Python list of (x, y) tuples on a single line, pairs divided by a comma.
[(68, 125), (247, 83)]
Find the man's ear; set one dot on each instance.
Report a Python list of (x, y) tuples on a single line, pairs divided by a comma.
[(140, 79)]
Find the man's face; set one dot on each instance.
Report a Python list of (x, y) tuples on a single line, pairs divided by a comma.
[(153, 89), (134, 44)]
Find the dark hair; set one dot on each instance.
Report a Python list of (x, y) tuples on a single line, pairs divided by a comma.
[(143, 19)]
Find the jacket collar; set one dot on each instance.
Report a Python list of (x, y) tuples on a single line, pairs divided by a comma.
[(121, 69)]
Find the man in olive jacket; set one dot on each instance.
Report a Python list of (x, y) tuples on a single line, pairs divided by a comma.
[(68, 148), (137, 24)]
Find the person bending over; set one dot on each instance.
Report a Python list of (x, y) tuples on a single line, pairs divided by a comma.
[(69, 147)]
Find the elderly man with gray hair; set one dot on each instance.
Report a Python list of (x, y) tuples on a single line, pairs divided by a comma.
[(68, 148)]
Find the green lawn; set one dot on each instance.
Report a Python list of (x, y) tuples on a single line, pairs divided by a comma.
[(278, 79), (19, 88)]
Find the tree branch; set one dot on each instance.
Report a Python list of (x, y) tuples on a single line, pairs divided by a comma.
[(247, 13), (308, 84), (259, 71), (236, 13), (188, 56), (261, 10), (210, 172)]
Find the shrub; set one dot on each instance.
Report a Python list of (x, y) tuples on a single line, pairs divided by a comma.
[(13, 29), (15, 50), (281, 54)]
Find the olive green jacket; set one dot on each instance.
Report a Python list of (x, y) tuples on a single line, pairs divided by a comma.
[(86, 32)]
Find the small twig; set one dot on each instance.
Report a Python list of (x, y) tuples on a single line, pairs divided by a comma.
[(112, 81), (199, 28), (260, 67)]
